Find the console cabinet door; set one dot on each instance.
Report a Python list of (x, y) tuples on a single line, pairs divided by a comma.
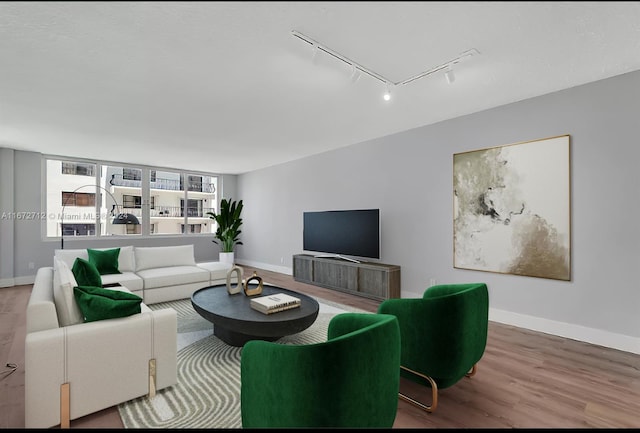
[(373, 282), (303, 268), (335, 275)]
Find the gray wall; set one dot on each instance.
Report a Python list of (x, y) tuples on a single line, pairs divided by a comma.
[(409, 177), (21, 241), (6, 209)]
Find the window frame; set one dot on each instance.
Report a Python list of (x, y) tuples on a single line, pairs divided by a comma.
[(148, 200)]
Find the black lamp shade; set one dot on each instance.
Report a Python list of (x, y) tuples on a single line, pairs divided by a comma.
[(126, 218)]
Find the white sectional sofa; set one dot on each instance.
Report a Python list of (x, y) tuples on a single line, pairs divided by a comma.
[(77, 369), (158, 274), (74, 368)]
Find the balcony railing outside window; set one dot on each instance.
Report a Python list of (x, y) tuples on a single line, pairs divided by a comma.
[(170, 212), (164, 184)]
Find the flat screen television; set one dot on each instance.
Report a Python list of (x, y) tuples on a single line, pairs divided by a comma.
[(338, 232)]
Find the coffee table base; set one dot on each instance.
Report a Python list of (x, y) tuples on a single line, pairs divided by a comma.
[(236, 338)]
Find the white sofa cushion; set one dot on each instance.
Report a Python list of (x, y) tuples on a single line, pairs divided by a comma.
[(127, 279), (69, 256), (174, 276), (125, 258), (162, 257), (218, 270), (63, 283)]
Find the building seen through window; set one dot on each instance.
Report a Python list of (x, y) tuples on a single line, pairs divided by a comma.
[(164, 201)]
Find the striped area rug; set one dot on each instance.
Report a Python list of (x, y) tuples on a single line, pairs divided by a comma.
[(207, 394)]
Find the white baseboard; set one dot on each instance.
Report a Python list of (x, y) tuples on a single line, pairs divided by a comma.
[(29, 279), (18, 281), (567, 330), (267, 266)]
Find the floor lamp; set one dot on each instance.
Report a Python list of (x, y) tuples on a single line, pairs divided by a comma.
[(120, 218)]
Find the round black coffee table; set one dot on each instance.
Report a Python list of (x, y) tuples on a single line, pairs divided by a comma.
[(235, 322)]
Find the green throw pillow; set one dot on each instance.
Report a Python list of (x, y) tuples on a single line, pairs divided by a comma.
[(105, 260), (97, 303), (85, 273)]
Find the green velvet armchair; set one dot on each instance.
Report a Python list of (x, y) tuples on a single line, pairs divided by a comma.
[(350, 380), (443, 335)]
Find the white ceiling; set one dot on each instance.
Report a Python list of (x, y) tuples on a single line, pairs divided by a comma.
[(224, 86)]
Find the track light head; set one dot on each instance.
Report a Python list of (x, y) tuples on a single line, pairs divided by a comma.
[(450, 76), (387, 94), (355, 74)]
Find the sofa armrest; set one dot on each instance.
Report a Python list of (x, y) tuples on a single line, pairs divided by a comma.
[(105, 363), (41, 309)]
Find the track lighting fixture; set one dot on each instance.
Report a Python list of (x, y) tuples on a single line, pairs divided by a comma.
[(357, 69)]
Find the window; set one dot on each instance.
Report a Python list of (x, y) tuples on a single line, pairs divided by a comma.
[(195, 183), (201, 198), (135, 201), (78, 168), (191, 228), (167, 212), (133, 229), (131, 201), (78, 229), (70, 198), (78, 199), (91, 193), (194, 208), (131, 174)]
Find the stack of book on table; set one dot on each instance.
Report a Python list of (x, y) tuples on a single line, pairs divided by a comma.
[(274, 303)]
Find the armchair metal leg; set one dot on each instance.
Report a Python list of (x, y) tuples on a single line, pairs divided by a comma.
[(434, 389), (65, 406), (434, 393)]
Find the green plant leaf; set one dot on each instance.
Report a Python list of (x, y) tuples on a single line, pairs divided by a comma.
[(228, 222)]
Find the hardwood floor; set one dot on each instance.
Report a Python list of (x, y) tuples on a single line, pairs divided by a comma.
[(525, 379)]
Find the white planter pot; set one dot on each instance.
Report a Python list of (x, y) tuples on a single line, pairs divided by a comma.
[(226, 258)]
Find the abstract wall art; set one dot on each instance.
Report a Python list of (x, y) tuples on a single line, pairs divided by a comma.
[(512, 209)]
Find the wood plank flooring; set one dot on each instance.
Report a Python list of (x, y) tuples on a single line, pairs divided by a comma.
[(525, 379)]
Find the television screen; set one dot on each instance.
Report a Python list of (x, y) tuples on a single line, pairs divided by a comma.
[(350, 232)]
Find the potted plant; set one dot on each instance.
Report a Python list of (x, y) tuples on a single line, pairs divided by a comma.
[(229, 222)]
